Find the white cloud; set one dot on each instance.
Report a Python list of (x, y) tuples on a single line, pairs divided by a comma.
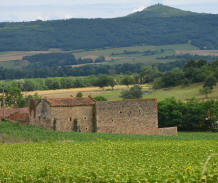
[(139, 9), (18, 10)]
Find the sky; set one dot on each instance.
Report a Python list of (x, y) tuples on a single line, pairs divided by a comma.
[(28, 10)]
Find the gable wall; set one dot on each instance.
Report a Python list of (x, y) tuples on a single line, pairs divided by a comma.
[(40, 114), (128, 116)]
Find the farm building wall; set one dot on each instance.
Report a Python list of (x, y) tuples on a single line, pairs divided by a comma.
[(67, 118), (130, 117), (15, 114), (77, 118), (127, 116), (40, 114)]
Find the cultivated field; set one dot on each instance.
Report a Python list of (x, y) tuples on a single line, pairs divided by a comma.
[(96, 158), (18, 55), (112, 55), (120, 56), (178, 92)]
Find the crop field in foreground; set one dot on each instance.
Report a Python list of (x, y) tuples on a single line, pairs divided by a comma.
[(109, 158)]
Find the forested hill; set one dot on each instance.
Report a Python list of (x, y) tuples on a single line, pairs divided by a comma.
[(160, 10), (157, 25)]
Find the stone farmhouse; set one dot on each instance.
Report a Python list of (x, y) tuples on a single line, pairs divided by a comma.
[(86, 115)]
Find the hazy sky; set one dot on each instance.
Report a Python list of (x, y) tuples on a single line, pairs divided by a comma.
[(25, 10)]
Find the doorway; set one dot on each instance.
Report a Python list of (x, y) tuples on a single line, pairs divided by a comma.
[(54, 125), (75, 125)]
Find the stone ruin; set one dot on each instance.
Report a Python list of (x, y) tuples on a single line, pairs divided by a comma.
[(138, 116)]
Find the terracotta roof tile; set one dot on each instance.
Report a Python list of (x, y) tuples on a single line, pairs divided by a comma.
[(68, 102)]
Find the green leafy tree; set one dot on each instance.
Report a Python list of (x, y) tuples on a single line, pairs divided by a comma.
[(210, 82), (29, 85), (52, 83), (191, 115), (127, 80), (170, 113), (158, 83), (66, 82), (103, 81), (111, 82), (206, 91), (12, 96), (78, 84), (133, 93), (148, 74)]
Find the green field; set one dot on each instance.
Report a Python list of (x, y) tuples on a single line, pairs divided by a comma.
[(138, 57), (116, 53), (77, 157), (179, 92)]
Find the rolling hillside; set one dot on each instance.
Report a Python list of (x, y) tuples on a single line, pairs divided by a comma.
[(156, 25), (161, 11)]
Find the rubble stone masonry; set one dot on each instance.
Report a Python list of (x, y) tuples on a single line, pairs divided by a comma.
[(62, 118), (85, 115), (130, 117)]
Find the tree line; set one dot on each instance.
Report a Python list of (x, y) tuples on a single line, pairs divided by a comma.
[(193, 71), (192, 115), (161, 75), (59, 59), (43, 69)]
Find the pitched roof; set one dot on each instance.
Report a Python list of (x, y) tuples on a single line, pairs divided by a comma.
[(70, 102)]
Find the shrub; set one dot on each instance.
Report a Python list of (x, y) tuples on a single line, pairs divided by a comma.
[(133, 93), (100, 98), (79, 94)]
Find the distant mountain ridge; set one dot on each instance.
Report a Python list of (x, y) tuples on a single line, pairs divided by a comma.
[(156, 25), (160, 10)]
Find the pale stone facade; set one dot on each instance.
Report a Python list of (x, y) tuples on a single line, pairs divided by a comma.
[(76, 117), (86, 115), (130, 117)]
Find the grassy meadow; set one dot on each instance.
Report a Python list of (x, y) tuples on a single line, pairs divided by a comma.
[(75, 157), (179, 92)]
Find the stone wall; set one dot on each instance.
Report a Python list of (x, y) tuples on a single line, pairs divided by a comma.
[(130, 117), (40, 114), (126, 116), (77, 118), (15, 114)]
